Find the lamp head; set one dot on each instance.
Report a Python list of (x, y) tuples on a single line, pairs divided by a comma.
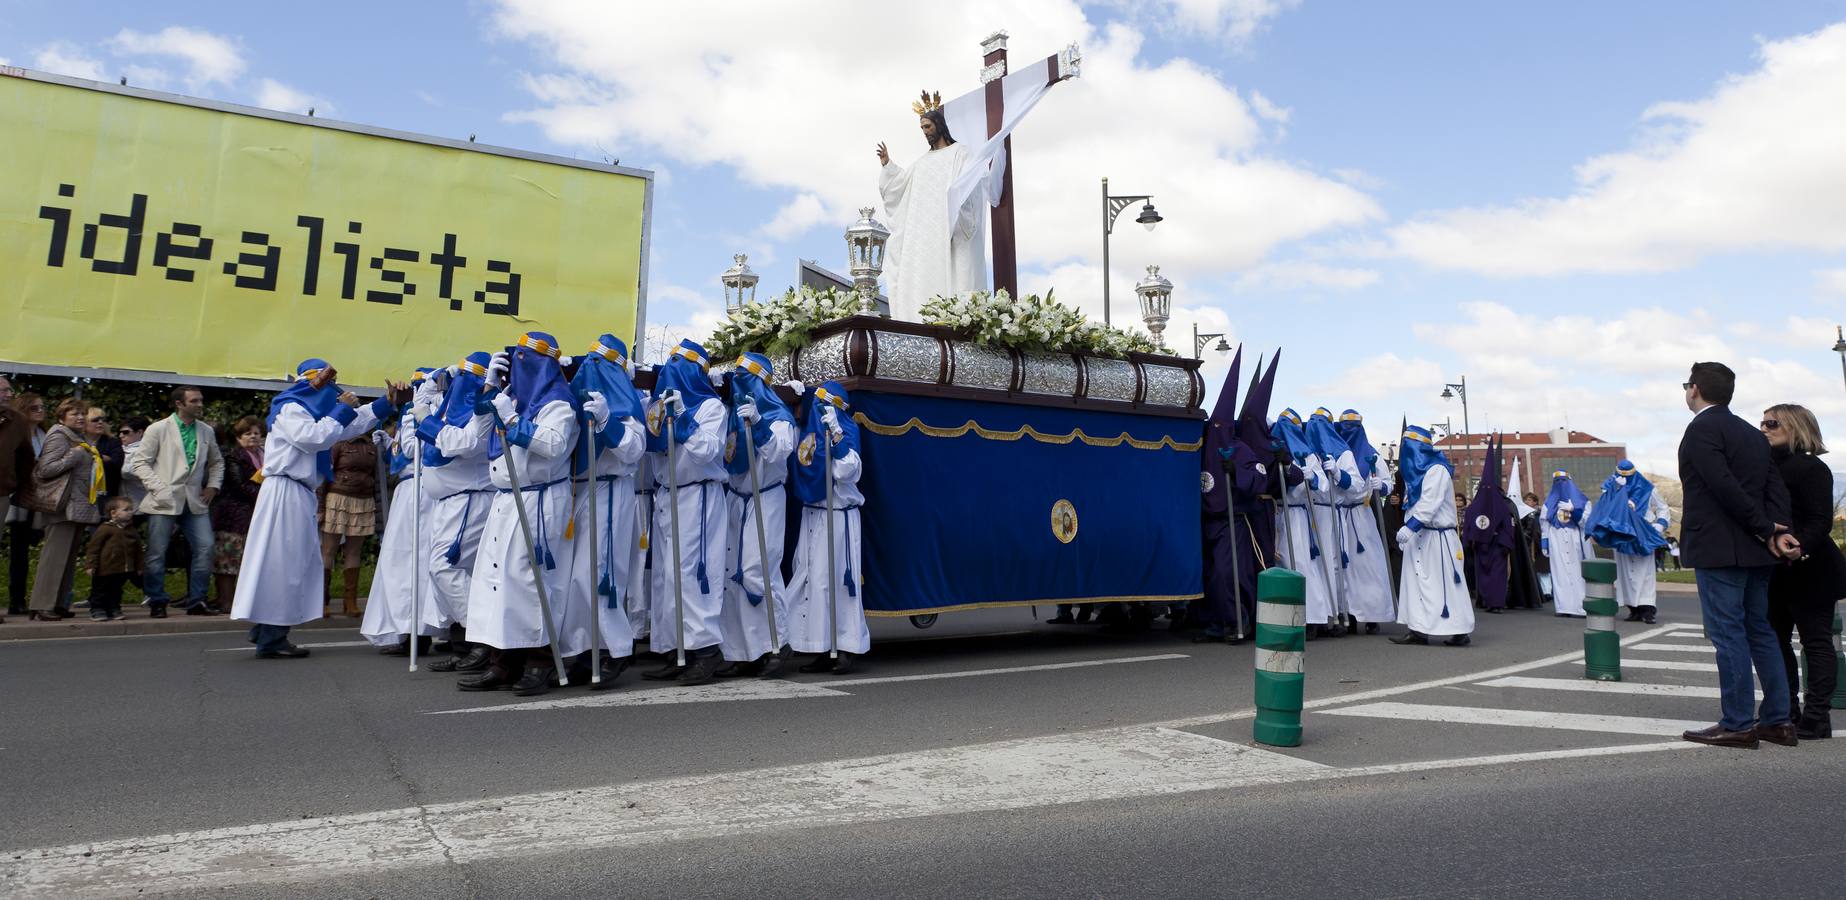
[(1148, 217)]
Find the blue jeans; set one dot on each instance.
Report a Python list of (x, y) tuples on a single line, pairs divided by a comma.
[(1735, 601), (198, 530), (269, 638)]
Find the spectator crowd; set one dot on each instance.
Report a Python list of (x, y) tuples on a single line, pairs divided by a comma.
[(114, 500)]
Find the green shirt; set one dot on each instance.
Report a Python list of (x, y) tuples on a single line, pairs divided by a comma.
[(189, 436)]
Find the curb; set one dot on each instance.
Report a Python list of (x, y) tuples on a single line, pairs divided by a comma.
[(22, 630)]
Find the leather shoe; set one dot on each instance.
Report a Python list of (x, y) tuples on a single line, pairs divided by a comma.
[(821, 663), (199, 609), (478, 659), (612, 669), (772, 665), (1459, 640), (535, 682), (445, 664), (287, 651), (667, 672), (698, 671), (844, 665), (1634, 614), (1716, 736), (1815, 728), (494, 679), (1783, 734), (1411, 637)]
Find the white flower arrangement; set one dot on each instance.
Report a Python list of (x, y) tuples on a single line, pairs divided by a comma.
[(1033, 324), (782, 325)]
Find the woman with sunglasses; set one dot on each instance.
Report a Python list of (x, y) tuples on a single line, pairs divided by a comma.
[(1802, 592)]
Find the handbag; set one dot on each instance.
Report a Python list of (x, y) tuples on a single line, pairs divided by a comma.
[(45, 496)]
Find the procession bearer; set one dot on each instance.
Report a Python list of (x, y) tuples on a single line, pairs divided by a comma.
[(686, 420), (459, 492), (825, 609), (1369, 572), (390, 606), (1432, 595), (535, 417), (771, 427), (603, 503), (1631, 519), (280, 585)]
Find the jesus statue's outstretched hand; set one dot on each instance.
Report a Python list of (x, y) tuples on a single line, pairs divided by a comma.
[(884, 155)]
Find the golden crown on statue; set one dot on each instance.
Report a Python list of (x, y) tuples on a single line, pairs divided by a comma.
[(928, 103)]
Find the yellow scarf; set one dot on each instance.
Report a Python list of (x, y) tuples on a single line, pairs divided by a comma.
[(96, 469)]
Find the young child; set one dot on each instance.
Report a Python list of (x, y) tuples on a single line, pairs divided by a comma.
[(113, 557)]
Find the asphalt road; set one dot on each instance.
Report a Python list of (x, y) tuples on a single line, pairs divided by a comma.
[(989, 756)]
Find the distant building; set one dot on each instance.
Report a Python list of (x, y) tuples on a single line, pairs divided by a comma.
[(1588, 458)]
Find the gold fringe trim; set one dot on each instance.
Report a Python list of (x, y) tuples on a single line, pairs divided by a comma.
[(1023, 431), (960, 607)]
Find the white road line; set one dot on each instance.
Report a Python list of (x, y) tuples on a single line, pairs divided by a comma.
[(1577, 656), (1677, 648), (1694, 634), (665, 696), (1670, 664), (1022, 774), (322, 644), (1520, 718), (1009, 670), (1587, 686)]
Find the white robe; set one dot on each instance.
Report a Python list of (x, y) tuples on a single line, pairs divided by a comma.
[(1297, 554), (1432, 581), (280, 582), (390, 607), (928, 254), (701, 536), (640, 593), (1634, 575), (503, 606), (1566, 549), (808, 587), (746, 625), (610, 532), (460, 492), (1368, 564)]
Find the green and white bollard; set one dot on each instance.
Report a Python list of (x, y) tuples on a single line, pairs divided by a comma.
[(1281, 638), (1602, 647), (1839, 687)]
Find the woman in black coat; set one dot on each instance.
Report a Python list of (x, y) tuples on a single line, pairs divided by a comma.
[(1802, 593)]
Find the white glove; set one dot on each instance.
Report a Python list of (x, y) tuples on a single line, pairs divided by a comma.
[(428, 392), (421, 411), (497, 369), (505, 406), (796, 386), (672, 404), (1660, 528), (1403, 536), (1621, 479), (747, 412), (831, 416), (598, 408), (717, 379)]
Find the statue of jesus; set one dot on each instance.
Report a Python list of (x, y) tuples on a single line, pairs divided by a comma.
[(934, 250)]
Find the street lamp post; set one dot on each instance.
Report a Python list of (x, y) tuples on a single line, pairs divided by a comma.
[(1200, 339), (1450, 392), (1839, 346), (1111, 208)]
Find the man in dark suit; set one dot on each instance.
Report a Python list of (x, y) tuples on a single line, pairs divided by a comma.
[(1735, 529)]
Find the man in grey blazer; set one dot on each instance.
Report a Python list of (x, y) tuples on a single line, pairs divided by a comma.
[(179, 463)]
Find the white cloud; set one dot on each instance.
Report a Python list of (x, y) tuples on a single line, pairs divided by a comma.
[(64, 58), (147, 76), (795, 218), (1651, 342), (1377, 377), (1286, 276), (273, 94), (1236, 20), (746, 84), (1831, 281), (1268, 109), (210, 58), (1754, 165)]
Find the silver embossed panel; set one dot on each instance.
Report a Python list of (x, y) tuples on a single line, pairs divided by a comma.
[(1110, 379), (825, 359), (908, 357), (977, 366), (1167, 385), (1050, 373)]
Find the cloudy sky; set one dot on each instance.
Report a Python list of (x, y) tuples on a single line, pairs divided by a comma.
[(1566, 202)]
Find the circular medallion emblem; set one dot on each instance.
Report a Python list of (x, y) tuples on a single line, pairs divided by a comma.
[(1262, 469), (730, 446), (805, 452), (1063, 521), (1206, 482), (1481, 522), (1563, 515), (653, 420)]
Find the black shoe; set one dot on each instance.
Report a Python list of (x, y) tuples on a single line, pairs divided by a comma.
[(1209, 638), (443, 647), (773, 665), (1647, 615), (535, 682), (728, 670), (749, 669), (494, 679), (698, 670), (477, 660), (1411, 637), (667, 672), (1634, 614), (401, 648), (157, 611), (215, 609), (1336, 631), (1494, 610), (1460, 640), (1371, 628), (288, 651), (200, 609), (445, 664), (821, 663), (844, 665), (1814, 728), (612, 669)]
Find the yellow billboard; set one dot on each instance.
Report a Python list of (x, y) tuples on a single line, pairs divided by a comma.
[(148, 232)]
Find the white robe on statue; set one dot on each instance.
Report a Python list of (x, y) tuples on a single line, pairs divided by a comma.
[(808, 588), (701, 537), (1566, 549), (611, 531), (1433, 594), (746, 625), (280, 582), (459, 493), (401, 553), (1299, 554), (503, 607), (933, 250)]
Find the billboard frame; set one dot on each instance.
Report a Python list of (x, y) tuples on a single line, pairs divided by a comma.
[(237, 109)]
